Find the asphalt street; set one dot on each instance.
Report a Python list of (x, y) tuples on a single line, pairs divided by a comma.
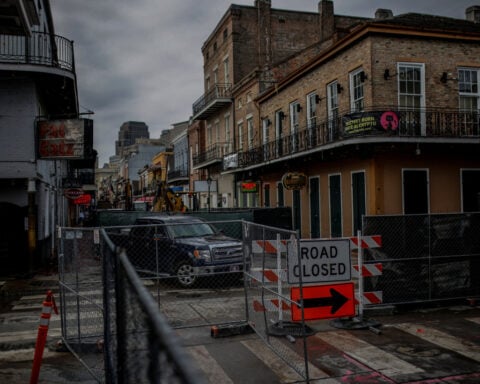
[(415, 345)]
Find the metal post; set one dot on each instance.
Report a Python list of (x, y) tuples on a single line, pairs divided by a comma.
[(360, 275), (209, 183)]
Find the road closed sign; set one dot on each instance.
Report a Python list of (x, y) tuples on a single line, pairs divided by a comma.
[(319, 261)]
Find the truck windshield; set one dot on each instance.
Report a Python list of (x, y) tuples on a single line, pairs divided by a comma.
[(191, 230)]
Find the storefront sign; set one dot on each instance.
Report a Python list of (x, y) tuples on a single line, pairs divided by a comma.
[(294, 180), (64, 139), (362, 123)]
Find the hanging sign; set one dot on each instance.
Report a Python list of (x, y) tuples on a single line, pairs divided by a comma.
[(294, 180)]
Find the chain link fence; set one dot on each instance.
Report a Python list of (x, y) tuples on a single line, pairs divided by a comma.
[(81, 296), (268, 251), (425, 257)]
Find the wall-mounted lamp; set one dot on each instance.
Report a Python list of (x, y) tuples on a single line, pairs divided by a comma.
[(339, 88), (363, 77), (445, 77), (387, 75)]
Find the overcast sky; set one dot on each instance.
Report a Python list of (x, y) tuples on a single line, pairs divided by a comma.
[(141, 60)]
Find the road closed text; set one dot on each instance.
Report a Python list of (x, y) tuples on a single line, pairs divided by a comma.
[(320, 261)]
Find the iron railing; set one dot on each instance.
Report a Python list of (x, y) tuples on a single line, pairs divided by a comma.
[(219, 91), (410, 124), (38, 49), (215, 152)]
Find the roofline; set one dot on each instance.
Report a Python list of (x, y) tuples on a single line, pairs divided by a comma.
[(358, 34)]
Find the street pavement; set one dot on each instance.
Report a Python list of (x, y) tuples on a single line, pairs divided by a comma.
[(416, 345)]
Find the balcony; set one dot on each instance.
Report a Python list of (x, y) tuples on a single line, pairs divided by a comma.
[(211, 102), (374, 126), (178, 175), (40, 49), (212, 154)]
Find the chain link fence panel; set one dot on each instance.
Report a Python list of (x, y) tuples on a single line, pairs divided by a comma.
[(426, 257)]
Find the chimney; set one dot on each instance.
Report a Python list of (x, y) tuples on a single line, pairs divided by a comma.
[(327, 19), (473, 13), (383, 13), (264, 32)]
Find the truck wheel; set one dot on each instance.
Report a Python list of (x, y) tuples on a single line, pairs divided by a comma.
[(185, 274)]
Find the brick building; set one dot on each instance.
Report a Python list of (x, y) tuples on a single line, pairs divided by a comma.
[(372, 116)]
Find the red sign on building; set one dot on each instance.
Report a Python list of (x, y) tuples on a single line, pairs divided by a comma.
[(323, 301), (64, 139)]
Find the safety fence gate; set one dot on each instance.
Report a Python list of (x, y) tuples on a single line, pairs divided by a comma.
[(121, 295)]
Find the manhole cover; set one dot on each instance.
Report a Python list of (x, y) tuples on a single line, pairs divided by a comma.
[(417, 351)]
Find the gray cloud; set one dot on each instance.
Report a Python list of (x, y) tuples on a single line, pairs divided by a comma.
[(141, 60)]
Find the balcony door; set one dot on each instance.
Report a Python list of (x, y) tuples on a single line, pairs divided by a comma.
[(294, 126), (332, 109), (411, 98)]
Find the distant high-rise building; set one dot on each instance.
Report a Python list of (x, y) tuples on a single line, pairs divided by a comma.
[(129, 132)]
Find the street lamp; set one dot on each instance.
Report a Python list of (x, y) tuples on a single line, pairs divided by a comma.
[(209, 183)]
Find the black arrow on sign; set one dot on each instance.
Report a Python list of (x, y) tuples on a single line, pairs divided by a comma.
[(336, 301)]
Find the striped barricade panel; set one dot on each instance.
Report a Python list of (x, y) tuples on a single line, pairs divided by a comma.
[(368, 270), (374, 241), (268, 275), (268, 246), (375, 297)]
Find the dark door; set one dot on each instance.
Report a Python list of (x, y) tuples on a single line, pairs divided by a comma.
[(335, 206), (471, 190), (358, 200), (297, 215), (314, 207), (415, 191)]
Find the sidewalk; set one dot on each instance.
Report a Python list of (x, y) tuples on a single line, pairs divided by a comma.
[(21, 302)]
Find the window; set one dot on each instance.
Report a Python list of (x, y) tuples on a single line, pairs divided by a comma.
[(279, 116), (265, 137), (217, 131), (215, 75), (226, 70), (227, 133), (312, 100), (411, 84), (240, 135), (332, 109), (225, 34), (209, 135), (294, 125), (357, 79), (207, 83), (250, 132), (469, 95)]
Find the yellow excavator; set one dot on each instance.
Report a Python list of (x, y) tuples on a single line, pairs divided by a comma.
[(165, 199)]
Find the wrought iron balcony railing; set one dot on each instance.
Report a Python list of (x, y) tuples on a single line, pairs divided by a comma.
[(178, 174), (212, 154), (37, 49), (386, 124), (218, 97)]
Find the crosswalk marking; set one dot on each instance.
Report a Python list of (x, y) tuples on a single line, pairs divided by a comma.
[(374, 357), (277, 365), (442, 339), (474, 319), (213, 371)]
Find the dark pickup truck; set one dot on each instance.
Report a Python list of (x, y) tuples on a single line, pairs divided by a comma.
[(181, 246)]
